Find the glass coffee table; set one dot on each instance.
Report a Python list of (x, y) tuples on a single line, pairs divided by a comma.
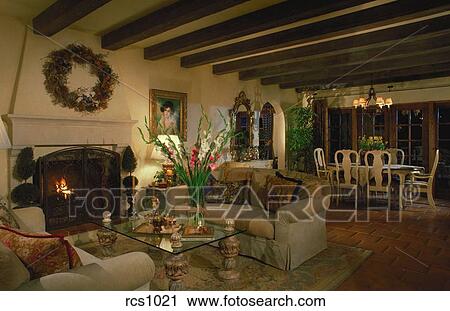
[(176, 265)]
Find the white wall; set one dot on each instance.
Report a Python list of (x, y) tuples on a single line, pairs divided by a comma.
[(22, 90)]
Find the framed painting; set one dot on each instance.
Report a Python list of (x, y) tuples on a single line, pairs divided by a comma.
[(168, 113)]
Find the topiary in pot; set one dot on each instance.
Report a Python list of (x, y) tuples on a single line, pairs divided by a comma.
[(129, 164), (129, 181), (26, 193), (25, 165)]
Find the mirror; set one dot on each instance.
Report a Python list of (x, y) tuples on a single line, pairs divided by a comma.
[(243, 118)]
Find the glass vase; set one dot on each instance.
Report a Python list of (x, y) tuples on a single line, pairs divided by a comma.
[(197, 203)]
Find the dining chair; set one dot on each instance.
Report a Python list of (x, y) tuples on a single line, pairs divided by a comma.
[(321, 166), (397, 155), (424, 182), (347, 172), (378, 174)]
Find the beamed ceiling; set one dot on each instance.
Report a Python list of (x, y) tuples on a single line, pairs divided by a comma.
[(306, 45)]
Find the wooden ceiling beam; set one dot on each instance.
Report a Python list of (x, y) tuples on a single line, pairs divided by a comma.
[(274, 16), (383, 15), (424, 57), (417, 77), (169, 17), (419, 45), (63, 13), (387, 76), (334, 47)]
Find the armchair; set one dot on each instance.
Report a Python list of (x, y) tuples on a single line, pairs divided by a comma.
[(132, 271), (424, 182)]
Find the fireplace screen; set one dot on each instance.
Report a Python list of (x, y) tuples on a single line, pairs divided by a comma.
[(78, 184)]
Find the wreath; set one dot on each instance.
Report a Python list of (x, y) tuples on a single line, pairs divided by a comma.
[(59, 65)]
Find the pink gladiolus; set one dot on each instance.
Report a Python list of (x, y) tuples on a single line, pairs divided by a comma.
[(213, 166)]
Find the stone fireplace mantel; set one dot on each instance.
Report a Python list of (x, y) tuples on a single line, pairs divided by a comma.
[(32, 130), (50, 133)]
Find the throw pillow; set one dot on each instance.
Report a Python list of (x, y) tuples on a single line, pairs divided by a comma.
[(6, 215), (281, 191), (227, 192), (42, 254), (12, 271)]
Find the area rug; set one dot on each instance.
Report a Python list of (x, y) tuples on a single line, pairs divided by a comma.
[(326, 271)]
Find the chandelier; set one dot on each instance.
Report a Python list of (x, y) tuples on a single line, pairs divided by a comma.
[(373, 98)]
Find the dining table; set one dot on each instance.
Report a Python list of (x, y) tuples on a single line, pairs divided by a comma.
[(400, 170)]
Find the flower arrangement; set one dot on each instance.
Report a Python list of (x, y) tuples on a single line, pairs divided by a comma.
[(193, 167), (372, 143)]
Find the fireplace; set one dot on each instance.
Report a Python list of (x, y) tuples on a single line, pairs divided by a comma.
[(78, 184)]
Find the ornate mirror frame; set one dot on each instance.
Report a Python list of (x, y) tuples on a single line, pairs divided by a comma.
[(242, 100)]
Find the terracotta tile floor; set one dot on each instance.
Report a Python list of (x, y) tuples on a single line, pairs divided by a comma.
[(410, 254)]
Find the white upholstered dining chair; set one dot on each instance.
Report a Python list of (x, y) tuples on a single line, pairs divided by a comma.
[(347, 172), (423, 183), (378, 174)]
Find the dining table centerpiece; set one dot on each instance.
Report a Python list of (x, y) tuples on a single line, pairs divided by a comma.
[(370, 143), (194, 165)]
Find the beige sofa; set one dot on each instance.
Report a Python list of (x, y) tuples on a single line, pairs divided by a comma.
[(296, 233), (132, 271)]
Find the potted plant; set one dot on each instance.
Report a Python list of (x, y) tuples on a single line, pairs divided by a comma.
[(129, 164), (26, 193), (300, 135)]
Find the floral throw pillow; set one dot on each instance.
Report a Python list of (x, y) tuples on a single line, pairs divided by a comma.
[(6, 216), (42, 254)]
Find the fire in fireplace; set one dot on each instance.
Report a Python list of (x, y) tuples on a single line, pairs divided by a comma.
[(78, 184), (63, 189)]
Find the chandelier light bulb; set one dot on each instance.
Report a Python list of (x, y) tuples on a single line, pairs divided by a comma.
[(380, 101), (388, 102)]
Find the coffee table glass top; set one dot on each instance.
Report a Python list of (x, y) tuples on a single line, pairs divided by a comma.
[(162, 241)]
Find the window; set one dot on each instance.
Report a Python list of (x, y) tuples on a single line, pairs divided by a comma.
[(409, 135), (266, 132), (443, 143), (339, 131), (372, 122)]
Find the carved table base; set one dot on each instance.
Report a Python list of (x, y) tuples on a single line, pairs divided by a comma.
[(106, 238), (177, 267), (229, 248)]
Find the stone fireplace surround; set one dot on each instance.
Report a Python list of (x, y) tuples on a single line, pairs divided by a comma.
[(51, 133)]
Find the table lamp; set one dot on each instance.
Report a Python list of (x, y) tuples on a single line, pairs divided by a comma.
[(160, 157)]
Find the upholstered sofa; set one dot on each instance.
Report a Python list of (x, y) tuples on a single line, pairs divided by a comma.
[(296, 233), (285, 239), (132, 271)]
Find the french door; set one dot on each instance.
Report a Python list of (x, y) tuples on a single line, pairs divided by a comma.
[(373, 122), (409, 129), (339, 131), (443, 144)]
